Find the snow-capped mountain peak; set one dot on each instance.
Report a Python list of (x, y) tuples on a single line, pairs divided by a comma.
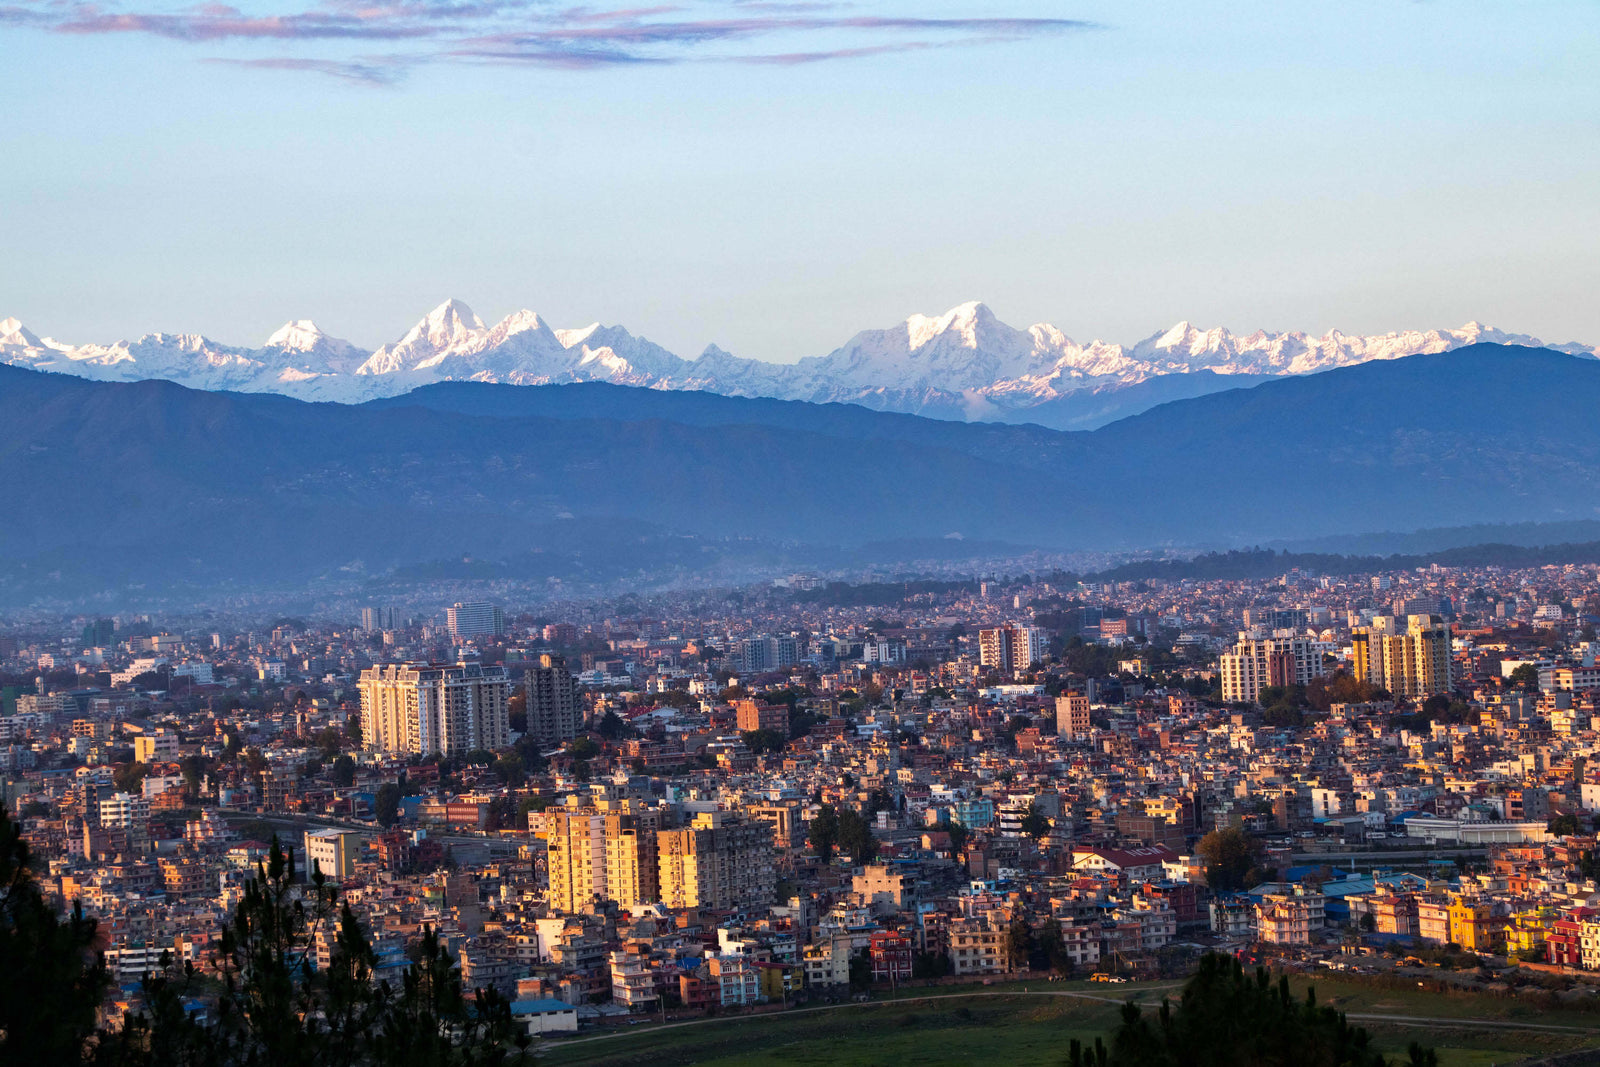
[(1179, 334), (568, 338), (303, 335), (964, 363), (525, 321), (967, 347), (12, 332), (451, 323), (304, 352), (963, 322)]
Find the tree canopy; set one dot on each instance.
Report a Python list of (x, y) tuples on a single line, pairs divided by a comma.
[(823, 832), (1525, 676), (1227, 1018), (267, 1005), (51, 979), (856, 836), (1229, 856), (1035, 823), (763, 740), (344, 770)]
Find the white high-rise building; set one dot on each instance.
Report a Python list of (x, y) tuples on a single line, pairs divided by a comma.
[(123, 811), (1012, 648), (434, 708), (1258, 662), (475, 620)]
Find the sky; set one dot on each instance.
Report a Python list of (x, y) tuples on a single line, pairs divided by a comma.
[(773, 176)]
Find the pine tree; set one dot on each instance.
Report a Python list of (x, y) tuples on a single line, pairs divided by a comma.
[(277, 1008), (51, 979), (1226, 1018)]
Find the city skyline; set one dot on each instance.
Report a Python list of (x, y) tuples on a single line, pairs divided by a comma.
[(828, 531)]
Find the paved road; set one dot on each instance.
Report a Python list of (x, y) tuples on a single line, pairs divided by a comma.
[(1400, 1020)]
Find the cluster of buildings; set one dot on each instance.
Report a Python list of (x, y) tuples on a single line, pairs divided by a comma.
[(782, 795)]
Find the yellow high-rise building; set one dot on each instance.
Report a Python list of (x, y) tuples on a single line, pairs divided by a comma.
[(576, 859), (607, 852), (1415, 662), (632, 869), (720, 860)]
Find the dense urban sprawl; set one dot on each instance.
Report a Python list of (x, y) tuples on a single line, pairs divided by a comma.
[(611, 809)]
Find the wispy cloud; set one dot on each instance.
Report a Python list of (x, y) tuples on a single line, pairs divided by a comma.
[(528, 33), (555, 58), (209, 27), (701, 31), (794, 59), (362, 73), (26, 16), (582, 15)]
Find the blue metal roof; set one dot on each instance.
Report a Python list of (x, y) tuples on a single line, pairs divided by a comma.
[(540, 1006)]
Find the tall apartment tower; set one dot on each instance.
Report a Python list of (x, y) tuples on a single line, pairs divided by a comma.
[(576, 858), (1258, 662), (475, 620), (1012, 648), (1072, 716), (380, 618), (432, 708), (720, 860), (608, 852), (553, 714), (757, 654), (1415, 662), (99, 633), (633, 872)]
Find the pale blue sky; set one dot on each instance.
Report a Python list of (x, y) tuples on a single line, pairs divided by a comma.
[(1363, 165)]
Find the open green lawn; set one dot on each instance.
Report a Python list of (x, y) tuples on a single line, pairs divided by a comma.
[(949, 1030), (1406, 999), (1000, 1025)]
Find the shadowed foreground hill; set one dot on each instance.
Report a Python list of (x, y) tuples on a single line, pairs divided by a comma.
[(169, 482)]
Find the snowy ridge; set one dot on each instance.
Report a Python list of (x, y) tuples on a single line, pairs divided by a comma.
[(964, 364)]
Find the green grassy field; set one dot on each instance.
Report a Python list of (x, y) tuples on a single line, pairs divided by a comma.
[(1002, 1025)]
